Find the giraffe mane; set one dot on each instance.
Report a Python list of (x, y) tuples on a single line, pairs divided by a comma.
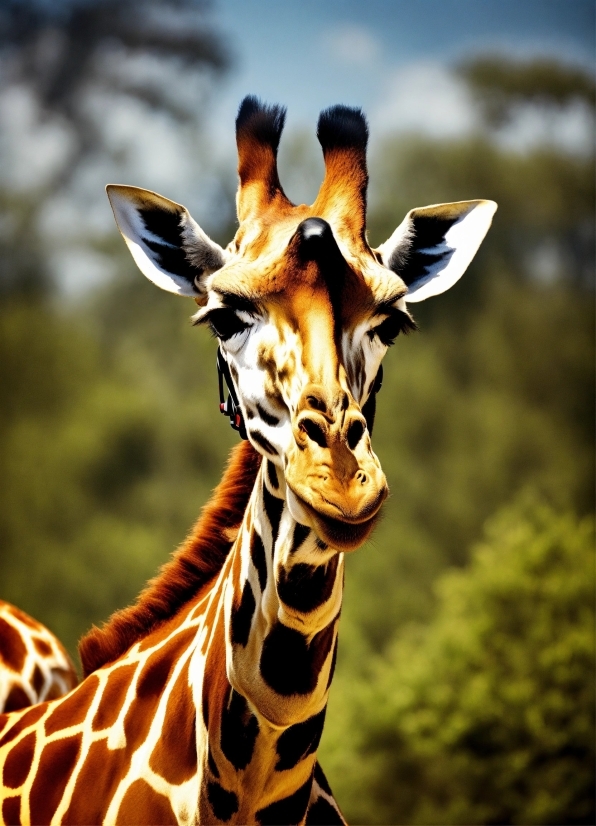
[(199, 558)]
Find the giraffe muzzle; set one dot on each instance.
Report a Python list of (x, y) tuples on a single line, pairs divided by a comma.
[(334, 474)]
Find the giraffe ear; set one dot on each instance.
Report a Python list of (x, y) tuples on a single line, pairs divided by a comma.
[(433, 246), (169, 247)]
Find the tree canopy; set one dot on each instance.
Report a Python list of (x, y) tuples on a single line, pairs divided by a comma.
[(502, 85), (74, 60)]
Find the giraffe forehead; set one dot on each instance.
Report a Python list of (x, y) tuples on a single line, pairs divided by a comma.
[(293, 290), (263, 261)]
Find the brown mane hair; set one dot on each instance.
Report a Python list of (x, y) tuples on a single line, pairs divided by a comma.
[(192, 565)]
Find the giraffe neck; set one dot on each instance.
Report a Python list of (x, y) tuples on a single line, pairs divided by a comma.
[(215, 715), (273, 647)]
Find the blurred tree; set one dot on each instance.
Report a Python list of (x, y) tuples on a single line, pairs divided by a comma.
[(109, 443), (543, 230), (74, 58), (498, 390), (548, 233), (487, 714), (22, 264), (471, 411), (92, 468), (65, 49), (501, 85)]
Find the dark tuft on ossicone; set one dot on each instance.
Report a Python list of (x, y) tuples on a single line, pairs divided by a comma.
[(264, 123), (342, 127)]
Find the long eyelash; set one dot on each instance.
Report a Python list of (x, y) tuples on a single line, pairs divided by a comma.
[(230, 320), (206, 319), (409, 325), (388, 330), (210, 327)]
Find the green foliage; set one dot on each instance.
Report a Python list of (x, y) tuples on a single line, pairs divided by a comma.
[(486, 715), (109, 445)]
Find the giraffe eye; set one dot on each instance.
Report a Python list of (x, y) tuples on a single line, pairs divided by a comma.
[(389, 329), (225, 324)]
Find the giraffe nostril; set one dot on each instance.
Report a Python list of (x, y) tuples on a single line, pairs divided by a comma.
[(316, 403), (313, 431), (355, 433), (361, 476)]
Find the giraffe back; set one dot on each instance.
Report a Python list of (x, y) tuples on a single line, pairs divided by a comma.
[(34, 665)]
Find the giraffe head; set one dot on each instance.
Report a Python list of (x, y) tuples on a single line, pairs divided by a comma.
[(303, 308)]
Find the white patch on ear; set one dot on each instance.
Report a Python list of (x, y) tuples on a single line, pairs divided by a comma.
[(167, 244), (433, 246)]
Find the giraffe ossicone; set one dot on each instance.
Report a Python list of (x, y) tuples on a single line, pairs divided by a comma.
[(205, 701)]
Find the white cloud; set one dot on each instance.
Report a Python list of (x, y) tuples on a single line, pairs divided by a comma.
[(424, 97), (352, 45), (570, 128), (30, 150), (430, 99)]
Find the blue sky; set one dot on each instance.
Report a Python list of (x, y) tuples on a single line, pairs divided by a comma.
[(309, 54)]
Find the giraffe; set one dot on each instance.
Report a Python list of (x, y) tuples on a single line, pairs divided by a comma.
[(33, 664), (205, 701)]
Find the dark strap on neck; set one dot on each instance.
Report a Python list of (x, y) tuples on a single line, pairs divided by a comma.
[(370, 406), (231, 407)]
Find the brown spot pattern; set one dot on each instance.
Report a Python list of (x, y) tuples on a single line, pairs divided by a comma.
[(142, 804), (18, 762), (215, 681), (174, 756), (113, 696), (43, 647), (73, 709), (28, 719), (24, 618), (95, 786), (38, 679), (11, 811), (58, 759), (16, 699), (150, 686), (12, 647)]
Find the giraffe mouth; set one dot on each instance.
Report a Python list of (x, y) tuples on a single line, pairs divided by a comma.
[(347, 533)]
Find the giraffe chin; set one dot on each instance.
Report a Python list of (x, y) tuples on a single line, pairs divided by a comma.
[(344, 536), (340, 534)]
